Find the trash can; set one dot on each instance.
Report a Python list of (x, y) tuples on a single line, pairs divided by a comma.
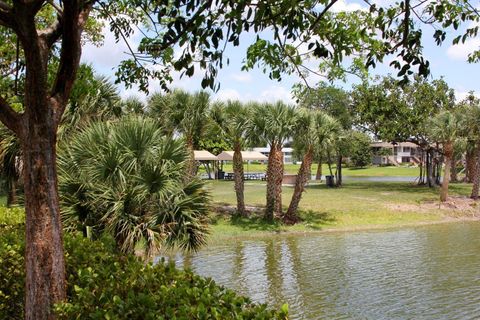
[(221, 175), (329, 181)]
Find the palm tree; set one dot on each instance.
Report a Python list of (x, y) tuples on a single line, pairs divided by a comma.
[(232, 118), (126, 178), (444, 129), (471, 124), (10, 163), (315, 131), (273, 124), (183, 113), (97, 100)]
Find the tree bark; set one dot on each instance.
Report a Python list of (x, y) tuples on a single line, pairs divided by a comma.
[(239, 179), (339, 181), (471, 163), (12, 193), (448, 154), (318, 176), (453, 169), (278, 181), (270, 206), (476, 178), (303, 176), (191, 166)]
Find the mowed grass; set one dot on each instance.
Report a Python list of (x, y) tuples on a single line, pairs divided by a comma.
[(356, 205), (371, 171)]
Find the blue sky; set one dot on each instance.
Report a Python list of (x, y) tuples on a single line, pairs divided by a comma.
[(446, 61)]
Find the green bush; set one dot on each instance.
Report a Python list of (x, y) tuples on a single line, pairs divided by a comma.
[(105, 285)]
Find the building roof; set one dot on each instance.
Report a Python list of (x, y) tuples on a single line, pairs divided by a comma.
[(389, 144), (204, 155), (246, 155), (267, 149)]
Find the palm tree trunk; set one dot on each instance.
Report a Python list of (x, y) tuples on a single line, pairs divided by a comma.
[(12, 193), (476, 177), (471, 164), (448, 151), (303, 176), (453, 169), (239, 179), (270, 206), (190, 169), (318, 176), (339, 171), (278, 159)]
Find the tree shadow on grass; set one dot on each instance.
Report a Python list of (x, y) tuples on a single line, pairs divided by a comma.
[(256, 222), (315, 220), (406, 187)]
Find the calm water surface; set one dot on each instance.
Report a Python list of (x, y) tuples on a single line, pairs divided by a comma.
[(416, 273)]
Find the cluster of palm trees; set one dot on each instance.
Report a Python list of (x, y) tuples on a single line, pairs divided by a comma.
[(457, 131), (274, 124)]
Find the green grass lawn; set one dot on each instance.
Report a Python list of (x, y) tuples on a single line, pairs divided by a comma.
[(355, 205), (373, 171)]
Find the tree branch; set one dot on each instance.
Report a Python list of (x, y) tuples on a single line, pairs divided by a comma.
[(52, 33), (320, 16), (10, 118), (74, 18), (6, 17)]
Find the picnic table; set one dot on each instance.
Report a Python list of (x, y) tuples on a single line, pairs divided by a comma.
[(247, 176)]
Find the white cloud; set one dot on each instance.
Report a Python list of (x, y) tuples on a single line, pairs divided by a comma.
[(276, 93), (111, 53), (228, 94), (343, 6), (241, 77), (462, 50), (461, 94)]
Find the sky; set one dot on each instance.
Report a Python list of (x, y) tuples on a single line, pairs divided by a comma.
[(447, 61)]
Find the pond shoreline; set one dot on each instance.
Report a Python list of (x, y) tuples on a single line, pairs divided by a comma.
[(374, 227)]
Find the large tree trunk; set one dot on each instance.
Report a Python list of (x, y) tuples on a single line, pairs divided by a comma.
[(448, 154), (36, 127), (239, 179), (476, 178), (45, 263), (303, 176)]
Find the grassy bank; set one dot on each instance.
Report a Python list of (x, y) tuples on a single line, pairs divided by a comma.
[(373, 171), (355, 205)]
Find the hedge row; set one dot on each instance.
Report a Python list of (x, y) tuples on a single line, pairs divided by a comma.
[(105, 285)]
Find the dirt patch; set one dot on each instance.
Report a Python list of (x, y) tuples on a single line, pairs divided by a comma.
[(455, 206)]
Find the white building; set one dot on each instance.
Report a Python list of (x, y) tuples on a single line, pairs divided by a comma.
[(400, 152), (287, 153)]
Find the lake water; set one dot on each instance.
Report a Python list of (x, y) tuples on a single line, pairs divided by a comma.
[(428, 272)]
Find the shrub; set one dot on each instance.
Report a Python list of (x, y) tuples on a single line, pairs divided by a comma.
[(127, 179), (105, 285)]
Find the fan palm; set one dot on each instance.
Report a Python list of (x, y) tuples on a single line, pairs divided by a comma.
[(10, 163), (183, 113), (126, 179), (98, 100), (470, 122), (232, 119), (273, 124), (444, 128), (315, 131)]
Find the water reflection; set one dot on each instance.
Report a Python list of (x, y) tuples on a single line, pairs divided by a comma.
[(416, 273)]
